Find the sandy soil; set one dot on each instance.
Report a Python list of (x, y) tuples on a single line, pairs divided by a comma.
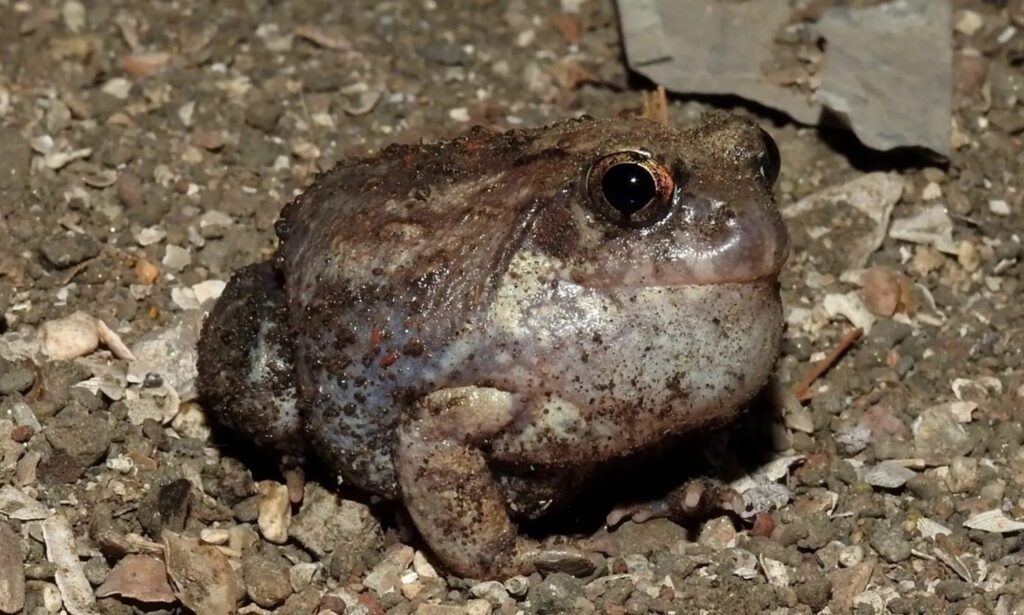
[(146, 148)]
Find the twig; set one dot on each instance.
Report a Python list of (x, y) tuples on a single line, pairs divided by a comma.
[(656, 105), (802, 391), (77, 269)]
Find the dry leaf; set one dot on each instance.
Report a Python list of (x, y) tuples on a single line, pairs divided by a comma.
[(138, 577), (200, 574)]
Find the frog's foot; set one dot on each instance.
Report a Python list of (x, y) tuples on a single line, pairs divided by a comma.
[(556, 558), (245, 373), (451, 494), (694, 500)]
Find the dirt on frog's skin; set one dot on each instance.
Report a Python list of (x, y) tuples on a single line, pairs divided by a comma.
[(146, 149)]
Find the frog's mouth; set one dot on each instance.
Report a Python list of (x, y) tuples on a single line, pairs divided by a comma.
[(737, 262), (744, 243)]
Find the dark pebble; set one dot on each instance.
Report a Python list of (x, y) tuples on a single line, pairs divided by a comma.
[(266, 578), (247, 510), (888, 540), (815, 592), (84, 437), (953, 590), (15, 163), (16, 376), (58, 378), (129, 190), (800, 348), (446, 54), (69, 250), (555, 594), (166, 508), (263, 116), (887, 332)]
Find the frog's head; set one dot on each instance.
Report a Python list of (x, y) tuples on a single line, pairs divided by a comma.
[(655, 206)]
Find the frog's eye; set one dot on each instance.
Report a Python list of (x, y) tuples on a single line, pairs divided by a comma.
[(771, 159), (630, 188)]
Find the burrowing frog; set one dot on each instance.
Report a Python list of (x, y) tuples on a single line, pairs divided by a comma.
[(472, 327)]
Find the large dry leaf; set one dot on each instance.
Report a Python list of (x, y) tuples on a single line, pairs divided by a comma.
[(138, 577), (200, 574)]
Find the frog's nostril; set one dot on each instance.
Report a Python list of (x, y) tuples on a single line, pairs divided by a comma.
[(707, 216)]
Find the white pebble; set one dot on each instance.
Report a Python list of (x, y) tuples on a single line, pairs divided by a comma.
[(184, 298), (52, 601), (968, 22), (150, 235), (70, 337), (208, 290), (118, 87), (176, 258), (931, 192), (477, 607), (215, 535), (459, 114), (850, 556), (73, 13), (422, 566), (275, 512), (517, 585), (999, 207)]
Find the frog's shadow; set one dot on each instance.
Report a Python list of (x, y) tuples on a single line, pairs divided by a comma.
[(722, 454)]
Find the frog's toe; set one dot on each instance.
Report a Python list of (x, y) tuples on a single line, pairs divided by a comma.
[(561, 558), (696, 500)]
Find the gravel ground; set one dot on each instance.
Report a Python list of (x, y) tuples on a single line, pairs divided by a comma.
[(145, 150)]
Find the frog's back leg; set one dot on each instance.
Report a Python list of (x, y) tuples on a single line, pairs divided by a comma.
[(452, 494), (246, 376)]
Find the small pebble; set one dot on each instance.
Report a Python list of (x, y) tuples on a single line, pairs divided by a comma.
[(890, 543), (16, 377), (517, 585), (386, 575), (931, 192), (999, 207), (274, 512), (215, 536), (176, 258), (718, 534), (852, 555)]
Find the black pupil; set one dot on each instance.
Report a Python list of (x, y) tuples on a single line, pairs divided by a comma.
[(628, 187)]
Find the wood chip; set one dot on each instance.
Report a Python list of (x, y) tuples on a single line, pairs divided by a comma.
[(848, 582), (12, 572), (200, 574), (145, 64), (994, 521), (14, 504), (113, 341), (655, 105), (70, 576), (323, 38), (884, 292), (888, 475)]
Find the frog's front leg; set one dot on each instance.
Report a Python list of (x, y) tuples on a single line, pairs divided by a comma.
[(451, 494)]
